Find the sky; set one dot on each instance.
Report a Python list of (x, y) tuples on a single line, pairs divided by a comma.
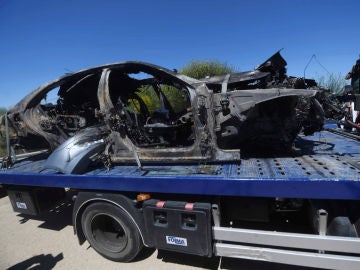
[(42, 40)]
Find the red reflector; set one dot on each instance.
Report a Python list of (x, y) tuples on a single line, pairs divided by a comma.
[(189, 206), (160, 204)]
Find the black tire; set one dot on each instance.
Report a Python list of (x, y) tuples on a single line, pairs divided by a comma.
[(111, 232)]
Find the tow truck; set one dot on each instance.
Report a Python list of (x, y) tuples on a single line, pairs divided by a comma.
[(299, 209)]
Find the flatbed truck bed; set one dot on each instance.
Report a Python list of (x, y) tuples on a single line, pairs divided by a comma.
[(327, 167), (324, 167)]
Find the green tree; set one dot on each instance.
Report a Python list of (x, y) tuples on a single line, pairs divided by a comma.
[(199, 69), (2, 140), (334, 82)]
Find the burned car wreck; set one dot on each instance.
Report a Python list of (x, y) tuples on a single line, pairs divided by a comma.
[(135, 112)]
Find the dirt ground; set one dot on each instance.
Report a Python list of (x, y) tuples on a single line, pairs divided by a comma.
[(48, 242)]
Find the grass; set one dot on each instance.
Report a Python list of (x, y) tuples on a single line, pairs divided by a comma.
[(334, 82), (199, 69)]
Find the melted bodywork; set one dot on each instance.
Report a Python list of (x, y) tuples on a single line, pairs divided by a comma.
[(150, 114), (274, 122)]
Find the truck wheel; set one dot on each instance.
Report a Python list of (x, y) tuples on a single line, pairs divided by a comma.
[(111, 232)]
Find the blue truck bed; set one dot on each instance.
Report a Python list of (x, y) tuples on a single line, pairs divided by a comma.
[(326, 166)]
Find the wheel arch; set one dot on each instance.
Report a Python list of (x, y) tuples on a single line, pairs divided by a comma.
[(84, 199)]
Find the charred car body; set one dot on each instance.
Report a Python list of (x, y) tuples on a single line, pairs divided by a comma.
[(138, 112)]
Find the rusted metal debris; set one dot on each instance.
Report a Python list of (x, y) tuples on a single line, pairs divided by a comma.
[(147, 113)]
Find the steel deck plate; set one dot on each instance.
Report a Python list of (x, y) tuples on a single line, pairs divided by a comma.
[(326, 167)]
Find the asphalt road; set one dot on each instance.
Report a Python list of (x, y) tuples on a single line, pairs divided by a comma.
[(48, 242)]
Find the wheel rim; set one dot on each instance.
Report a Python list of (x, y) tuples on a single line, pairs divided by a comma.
[(108, 232)]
